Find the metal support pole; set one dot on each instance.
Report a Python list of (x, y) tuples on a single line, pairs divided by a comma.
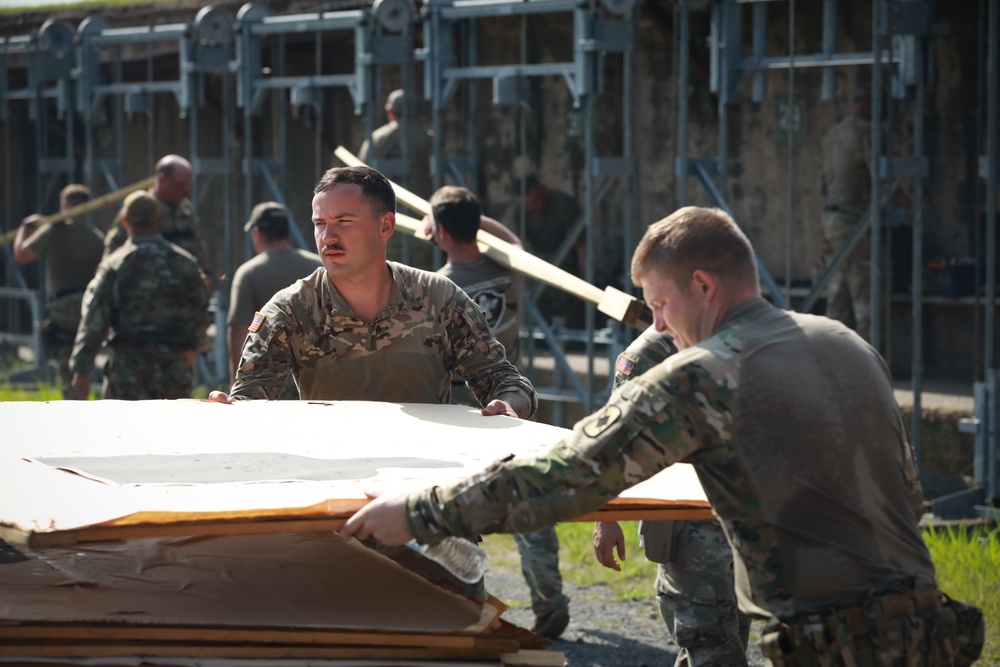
[(917, 297), (992, 175), (879, 14), (683, 56)]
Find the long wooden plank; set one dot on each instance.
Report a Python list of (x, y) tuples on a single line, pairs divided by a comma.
[(145, 633), (95, 204), (610, 301), (151, 650)]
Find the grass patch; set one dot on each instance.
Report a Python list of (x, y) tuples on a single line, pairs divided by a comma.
[(968, 569), (30, 393), (578, 564)]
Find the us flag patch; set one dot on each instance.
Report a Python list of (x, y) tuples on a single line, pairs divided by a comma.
[(258, 319), (624, 365)]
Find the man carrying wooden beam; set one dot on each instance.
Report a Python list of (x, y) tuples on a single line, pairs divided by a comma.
[(72, 251), (455, 220)]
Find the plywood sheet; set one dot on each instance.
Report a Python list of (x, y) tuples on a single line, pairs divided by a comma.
[(314, 580), (73, 471)]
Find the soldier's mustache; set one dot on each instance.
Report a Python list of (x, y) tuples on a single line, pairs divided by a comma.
[(333, 246)]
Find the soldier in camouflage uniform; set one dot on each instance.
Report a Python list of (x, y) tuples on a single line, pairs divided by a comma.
[(178, 219), (72, 251), (401, 150), (694, 578), (149, 300), (791, 424), (846, 186), (363, 328), (456, 219)]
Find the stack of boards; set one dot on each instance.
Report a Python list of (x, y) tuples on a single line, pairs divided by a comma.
[(197, 533)]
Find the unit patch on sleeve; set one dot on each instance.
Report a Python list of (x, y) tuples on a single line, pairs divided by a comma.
[(602, 421), (258, 319)]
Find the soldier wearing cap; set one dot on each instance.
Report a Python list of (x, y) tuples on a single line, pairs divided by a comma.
[(149, 302), (277, 265)]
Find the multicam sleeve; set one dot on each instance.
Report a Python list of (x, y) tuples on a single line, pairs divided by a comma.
[(266, 360), (643, 429), (478, 358), (95, 320)]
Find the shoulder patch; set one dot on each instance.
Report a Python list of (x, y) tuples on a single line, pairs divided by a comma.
[(602, 421), (258, 319), (625, 364)]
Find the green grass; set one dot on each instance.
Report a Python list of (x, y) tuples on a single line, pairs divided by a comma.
[(578, 564), (968, 569), (37, 393)]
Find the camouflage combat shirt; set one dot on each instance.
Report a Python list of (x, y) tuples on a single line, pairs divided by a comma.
[(791, 423), (846, 152), (149, 294), (430, 329)]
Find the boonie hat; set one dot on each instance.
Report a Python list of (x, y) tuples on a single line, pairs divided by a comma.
[(141, 209), (269, 216)]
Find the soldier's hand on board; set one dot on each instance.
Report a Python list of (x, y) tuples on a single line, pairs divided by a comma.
[(384, 518), (219, 397), (608, 538), (509, 404)]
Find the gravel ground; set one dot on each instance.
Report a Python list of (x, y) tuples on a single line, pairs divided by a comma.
[(603, 630)]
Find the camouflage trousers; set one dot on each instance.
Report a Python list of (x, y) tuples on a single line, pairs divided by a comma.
[(904, 628), (849, 289), (60, 331), (540, 565), (694, 587), (151, 372)]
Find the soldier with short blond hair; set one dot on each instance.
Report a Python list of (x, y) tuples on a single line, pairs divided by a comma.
[(792, 425)]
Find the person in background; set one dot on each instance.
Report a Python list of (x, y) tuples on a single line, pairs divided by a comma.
[(72, 251), (149, 301), (276, 266), (549, 216), (694, 571), (455, 220)]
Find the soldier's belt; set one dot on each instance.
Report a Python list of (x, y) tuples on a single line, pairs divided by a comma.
[(887, 607)]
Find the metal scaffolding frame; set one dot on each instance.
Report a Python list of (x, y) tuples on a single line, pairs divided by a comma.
[(901, 33), (598, 29), (48, 61)]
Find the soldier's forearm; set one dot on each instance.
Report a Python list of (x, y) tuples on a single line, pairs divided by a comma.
[(519, 402)]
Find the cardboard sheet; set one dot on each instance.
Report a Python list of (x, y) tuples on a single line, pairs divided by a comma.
[(291, 580), (82, 471)]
